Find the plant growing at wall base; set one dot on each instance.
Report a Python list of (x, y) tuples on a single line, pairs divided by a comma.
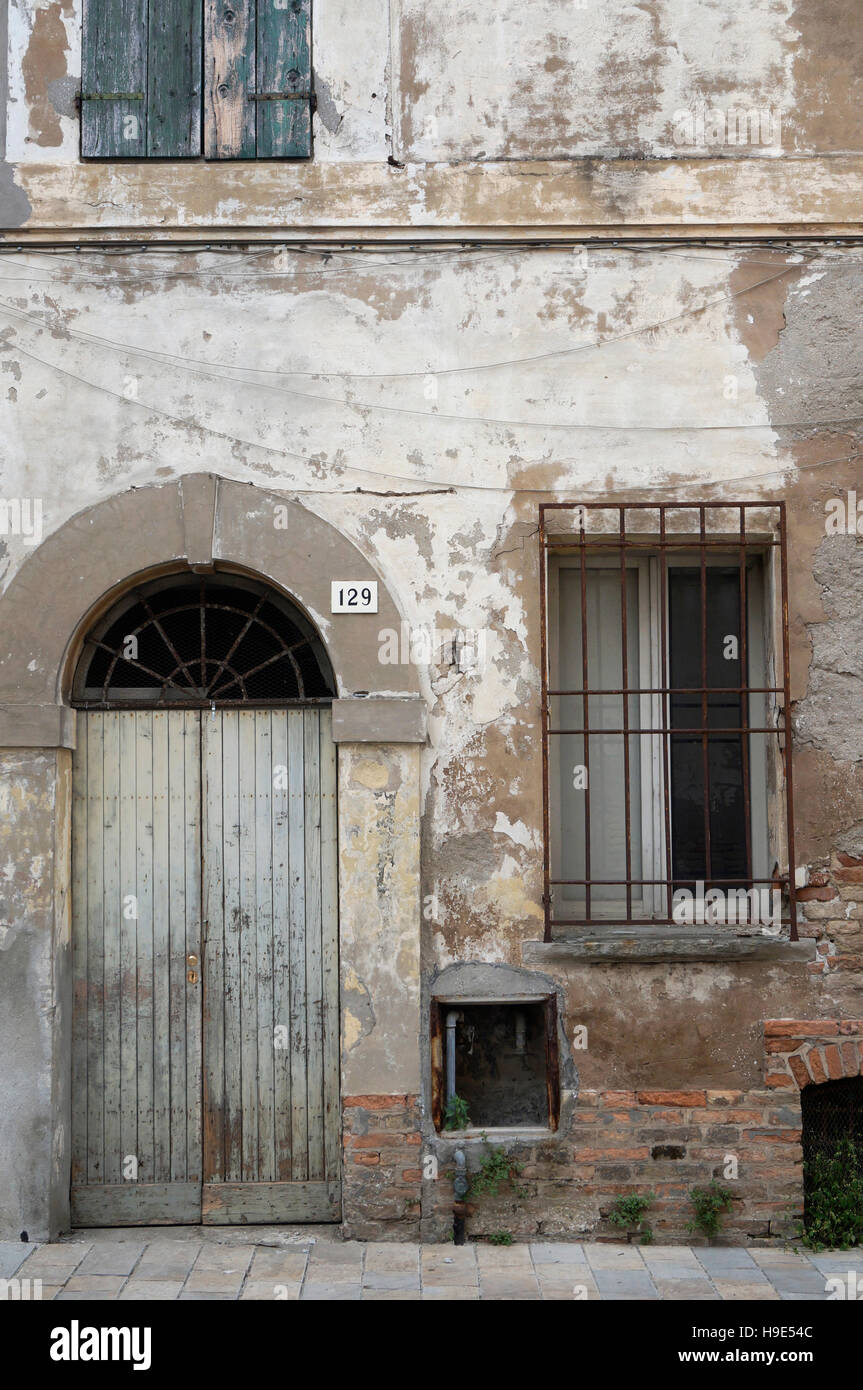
[(496, 1169), (834, 1199), (628, 1213), (457, 1115), (500, 1238), (710, 1203)]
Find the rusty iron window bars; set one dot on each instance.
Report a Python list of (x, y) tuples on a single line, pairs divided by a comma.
[(690, 547)]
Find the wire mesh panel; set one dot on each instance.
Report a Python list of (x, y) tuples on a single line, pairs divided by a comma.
[(189, 641), (665, 691), (832, 1113)]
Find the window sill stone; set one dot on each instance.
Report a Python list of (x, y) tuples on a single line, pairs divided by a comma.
[(649, 945)]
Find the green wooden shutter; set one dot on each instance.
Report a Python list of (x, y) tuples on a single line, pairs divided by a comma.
[(229, 116), (258, 79), (114, 79), (284, 128), (175, 61), (141, 79)]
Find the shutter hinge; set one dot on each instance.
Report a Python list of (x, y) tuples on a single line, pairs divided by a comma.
[(281, 96)]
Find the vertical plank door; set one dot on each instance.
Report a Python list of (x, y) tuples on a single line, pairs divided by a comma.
[(271, 1080), (136, 866)]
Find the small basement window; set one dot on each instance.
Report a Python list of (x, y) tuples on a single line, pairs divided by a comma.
[(506, 1062)]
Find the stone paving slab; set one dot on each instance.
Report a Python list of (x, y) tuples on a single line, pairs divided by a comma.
[(290, 1264), (117, 1259), (556, 1253), (12, 1255)]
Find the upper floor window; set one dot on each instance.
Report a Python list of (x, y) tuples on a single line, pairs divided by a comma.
[(664, 715), (178, 79)]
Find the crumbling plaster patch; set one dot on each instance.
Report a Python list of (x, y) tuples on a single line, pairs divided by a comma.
[(806, 355), (482, 82)]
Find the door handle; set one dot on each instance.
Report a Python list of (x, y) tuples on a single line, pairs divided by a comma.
[(192, 974)]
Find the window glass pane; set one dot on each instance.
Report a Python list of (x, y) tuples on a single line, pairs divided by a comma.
[(726, 815), (605, 753)]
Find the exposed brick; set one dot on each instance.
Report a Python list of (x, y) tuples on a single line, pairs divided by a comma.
[(366, 1159), (730, 1117), (612, 1098), (800, 1028), (816, 894), (379, 1140), (848, 860), (782, 1045), (604, 1155), (798, 1068), (832, 1057), (774, 1136), (815, 1063), (850, 1057), (779, 1080), (724, 1097), (850, 873), (687, 1099), (378, 1102)]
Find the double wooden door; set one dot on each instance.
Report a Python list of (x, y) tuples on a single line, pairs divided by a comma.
[(205, 945)]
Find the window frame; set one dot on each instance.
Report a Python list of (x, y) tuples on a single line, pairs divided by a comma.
[(651, 553)]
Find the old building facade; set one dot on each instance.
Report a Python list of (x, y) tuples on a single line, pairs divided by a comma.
[(428, 361)]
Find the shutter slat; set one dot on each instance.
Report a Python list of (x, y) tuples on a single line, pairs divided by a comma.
[(229, 116), (284, 128), (175, 60), (114, 61)]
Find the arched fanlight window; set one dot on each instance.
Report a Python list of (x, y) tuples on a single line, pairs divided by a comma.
[(191, 640)]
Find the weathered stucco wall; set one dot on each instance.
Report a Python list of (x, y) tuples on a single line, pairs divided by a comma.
[(423, 405), (465, 114), (35, 1024)]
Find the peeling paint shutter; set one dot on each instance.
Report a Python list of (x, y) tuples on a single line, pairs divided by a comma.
[(258, 79), (284, 127), (141, 79)]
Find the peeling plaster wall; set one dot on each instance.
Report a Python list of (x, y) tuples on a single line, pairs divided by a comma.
[(379, 882), (549, 112), (551, 80), (607, 349), (35, 1029)]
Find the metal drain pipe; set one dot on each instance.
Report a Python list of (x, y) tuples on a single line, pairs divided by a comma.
[(460, 1186), (452, 1019)]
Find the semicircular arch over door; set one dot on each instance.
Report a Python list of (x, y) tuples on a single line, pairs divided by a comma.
[(205, 912)]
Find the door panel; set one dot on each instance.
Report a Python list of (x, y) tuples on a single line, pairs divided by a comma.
[(232, 1030), (271, 1101), (136, 1133)]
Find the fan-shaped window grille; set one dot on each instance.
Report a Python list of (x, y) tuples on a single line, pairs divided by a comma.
[(194, 640)]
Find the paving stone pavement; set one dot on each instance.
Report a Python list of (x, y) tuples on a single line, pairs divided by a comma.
[(312, 1263)]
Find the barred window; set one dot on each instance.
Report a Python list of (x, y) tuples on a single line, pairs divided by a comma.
[(665, 694)]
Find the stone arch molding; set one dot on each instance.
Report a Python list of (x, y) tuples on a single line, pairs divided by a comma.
[(200, 520)]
